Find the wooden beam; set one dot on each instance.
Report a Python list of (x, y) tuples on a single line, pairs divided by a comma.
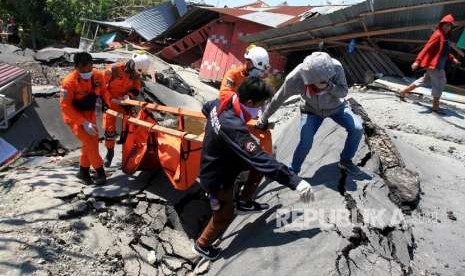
[(401, 40), (165, 109), (406, 8), (174, 110), (266, 41), (357, 35), (158, 128)]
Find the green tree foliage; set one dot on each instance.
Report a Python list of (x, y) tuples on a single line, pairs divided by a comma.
[(61, 19), (67, 13), (30, 14)]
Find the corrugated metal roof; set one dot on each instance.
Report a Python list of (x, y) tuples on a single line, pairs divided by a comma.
[(268, 16), (290, 10), (349, 20), (230, 11), (9, 73), (257, 4), (115, 24), (152, 22), (329, 9), (194, 19)]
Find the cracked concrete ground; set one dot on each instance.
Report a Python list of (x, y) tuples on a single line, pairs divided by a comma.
[(52, 225), (433, 146), (335, 235)]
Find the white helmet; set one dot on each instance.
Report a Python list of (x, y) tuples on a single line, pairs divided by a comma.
[(141, 63), (258, 56)]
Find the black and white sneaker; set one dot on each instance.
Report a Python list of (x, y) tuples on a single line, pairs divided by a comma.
[(210, 252), (251, 207)]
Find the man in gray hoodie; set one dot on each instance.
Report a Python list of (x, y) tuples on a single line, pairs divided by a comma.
[(320, 81)]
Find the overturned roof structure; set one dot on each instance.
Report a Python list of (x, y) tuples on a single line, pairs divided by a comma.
[(407, 20), (152, 22)]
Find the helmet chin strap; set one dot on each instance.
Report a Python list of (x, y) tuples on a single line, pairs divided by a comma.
[(130, 66)]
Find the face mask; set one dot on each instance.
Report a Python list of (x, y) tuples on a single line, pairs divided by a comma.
[(254, 72), (86, 76), (321, 85), (253, 111)]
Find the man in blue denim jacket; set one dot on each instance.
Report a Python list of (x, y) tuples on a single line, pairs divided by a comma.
[(320, 81)]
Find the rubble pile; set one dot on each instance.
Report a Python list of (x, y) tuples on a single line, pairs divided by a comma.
[(117, 229)]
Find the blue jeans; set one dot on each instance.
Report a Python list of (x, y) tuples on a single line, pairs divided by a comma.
[(309, 125)]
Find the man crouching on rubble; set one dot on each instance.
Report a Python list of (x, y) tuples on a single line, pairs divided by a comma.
[(320, 81), (228, 149), (79, 92)]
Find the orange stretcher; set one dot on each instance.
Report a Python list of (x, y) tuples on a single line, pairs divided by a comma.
[(177, 150)]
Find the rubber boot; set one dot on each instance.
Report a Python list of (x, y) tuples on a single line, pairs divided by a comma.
[(109, 157), (100, 178), (84, 175)]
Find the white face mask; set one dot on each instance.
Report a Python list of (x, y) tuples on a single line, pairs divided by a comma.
[(86, 76), (321, 85), (254, 72), (253, 111)]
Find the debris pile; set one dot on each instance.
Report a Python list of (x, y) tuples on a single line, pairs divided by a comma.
[(136, 232)]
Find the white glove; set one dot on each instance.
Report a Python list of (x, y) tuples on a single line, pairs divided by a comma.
[(305, 191), (118, 101), (90, 128)]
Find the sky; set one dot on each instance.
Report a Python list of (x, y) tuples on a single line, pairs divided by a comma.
[(235, 3)]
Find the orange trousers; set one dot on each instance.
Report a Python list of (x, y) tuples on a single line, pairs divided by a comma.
[(90, 155), (109, 125)]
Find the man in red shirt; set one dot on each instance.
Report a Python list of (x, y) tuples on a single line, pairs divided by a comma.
[(433, 58)]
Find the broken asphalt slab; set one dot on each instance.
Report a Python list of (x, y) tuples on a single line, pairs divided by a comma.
[(170, 97), (281, 241), (51, 54), (414, 132), (9, 49), (40, 121)]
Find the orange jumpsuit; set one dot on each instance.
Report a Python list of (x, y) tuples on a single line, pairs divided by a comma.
[(73, 90), (119, 84), (232, 80), (230, 84)]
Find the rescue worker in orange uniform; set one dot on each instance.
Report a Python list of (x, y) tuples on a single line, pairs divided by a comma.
[(123, 80), (79, 92), (257, 62)]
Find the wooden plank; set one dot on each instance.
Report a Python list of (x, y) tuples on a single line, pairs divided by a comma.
[(392, 64), (352, 67), (400, 40), (356, 20), (357, 35), (368, 60), (349, 75), (165, 109), (383, 63), (158, 128), (174, 110)]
